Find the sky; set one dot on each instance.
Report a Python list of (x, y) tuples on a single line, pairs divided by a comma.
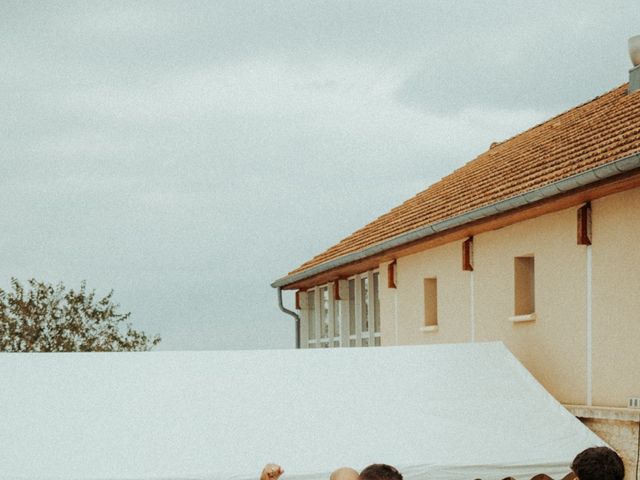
[(187, 154)]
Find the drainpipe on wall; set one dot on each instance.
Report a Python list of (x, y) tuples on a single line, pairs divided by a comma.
[(589, 326), (292, 313)]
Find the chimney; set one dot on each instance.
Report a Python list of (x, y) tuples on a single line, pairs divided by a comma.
[(634, 73)]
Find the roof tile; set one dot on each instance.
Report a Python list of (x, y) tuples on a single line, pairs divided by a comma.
[(598, 132)]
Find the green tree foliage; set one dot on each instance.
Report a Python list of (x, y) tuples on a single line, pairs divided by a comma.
[(41, 317)]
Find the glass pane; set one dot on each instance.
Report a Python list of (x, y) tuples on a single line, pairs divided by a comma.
[(337, 317), (364, 303), (324, 311), (352, 343), (336, 343), (365, 342), (352, 307), (376, 302), (311, 300), (377, 340)]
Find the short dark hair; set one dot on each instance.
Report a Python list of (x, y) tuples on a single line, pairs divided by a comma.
[(380, 471), (598, 463)]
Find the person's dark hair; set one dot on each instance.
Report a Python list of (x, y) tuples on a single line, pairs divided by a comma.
[(380, 471), (598, 463)]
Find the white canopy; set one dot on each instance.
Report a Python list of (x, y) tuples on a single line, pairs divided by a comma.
[(438, 412)]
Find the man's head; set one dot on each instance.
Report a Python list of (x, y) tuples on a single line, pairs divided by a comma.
[(598, 463), (380, 471), (344, 473)]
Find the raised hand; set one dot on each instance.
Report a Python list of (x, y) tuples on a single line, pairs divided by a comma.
[(271, 471)]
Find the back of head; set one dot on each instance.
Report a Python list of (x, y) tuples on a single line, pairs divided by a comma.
[(344, 473), (598, 463), (380, 471)]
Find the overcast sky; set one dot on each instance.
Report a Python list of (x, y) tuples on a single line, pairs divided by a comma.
[(187, 154)]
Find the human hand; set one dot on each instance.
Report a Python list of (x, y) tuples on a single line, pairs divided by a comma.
[(271, 471)]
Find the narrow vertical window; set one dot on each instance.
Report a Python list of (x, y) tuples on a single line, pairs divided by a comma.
[(337, 321), (430, 302), (311, 302), (364, 310), (324, 317), (524, 276), (376, 308), (352, 312)]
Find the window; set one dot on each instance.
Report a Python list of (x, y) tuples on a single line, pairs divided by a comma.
[(352, 312), (356, 315), (364, 311), (430, 303), (376, 308), (337, 322), (311, 314), (524, 283), (324, 317), (367, 300)]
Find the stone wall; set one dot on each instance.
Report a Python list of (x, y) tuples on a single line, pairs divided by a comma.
[(619, 427)]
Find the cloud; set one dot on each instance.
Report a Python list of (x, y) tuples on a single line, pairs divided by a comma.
[(537, 56), (187, 155)]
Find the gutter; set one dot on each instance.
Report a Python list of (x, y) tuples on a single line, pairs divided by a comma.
[(295, 316), (588, 177)]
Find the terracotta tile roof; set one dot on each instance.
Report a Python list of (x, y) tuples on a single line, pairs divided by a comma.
[(590, 135)]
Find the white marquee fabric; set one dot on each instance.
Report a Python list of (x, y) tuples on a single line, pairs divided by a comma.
[(435, 412)]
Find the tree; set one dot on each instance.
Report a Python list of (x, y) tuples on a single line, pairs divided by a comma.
[(49, 318)]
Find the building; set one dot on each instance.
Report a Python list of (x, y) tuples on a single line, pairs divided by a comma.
[(533, 243)]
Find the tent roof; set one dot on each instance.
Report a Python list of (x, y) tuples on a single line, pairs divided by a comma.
[(447, 411)]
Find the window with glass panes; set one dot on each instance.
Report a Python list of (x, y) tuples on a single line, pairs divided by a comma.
[(376, 309), (364, 311), (311, 318), (324, 317), (351, 319), (352, 312), (337, 322)]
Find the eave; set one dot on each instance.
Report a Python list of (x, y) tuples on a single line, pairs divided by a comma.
[(613, 177)]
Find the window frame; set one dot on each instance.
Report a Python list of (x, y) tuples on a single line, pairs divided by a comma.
[(339, 314)]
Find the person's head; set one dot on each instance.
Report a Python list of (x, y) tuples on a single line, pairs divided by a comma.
[(380, 471), (598, 463), (344, 473)]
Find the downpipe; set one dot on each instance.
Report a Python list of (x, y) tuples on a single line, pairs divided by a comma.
[(295, 316)]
